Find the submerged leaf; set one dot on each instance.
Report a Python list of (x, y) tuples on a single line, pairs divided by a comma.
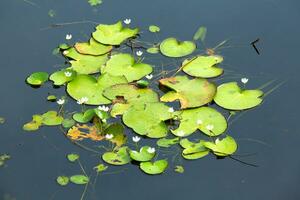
[(200, 33), (173, 48)]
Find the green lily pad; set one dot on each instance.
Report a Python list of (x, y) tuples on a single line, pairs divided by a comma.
[(79, 179), (51, 98), (113, 34), (191, 93), (203, 66), (173, 48), (117, 130), (179, 169), (68, 123), (62, 180), (165, 142), (35, 124), (124, 65), (223, 147), (153, 50), (37, 78), (232, 97), (118, 157), (63, 76), (157, 167), (154, 29), (92, 48), (72, 157), (84, 117), (193, 150), (148, 119), (85, 64), (92, 88), (51, 118), (200, 118), (100, 168), (143, 155)]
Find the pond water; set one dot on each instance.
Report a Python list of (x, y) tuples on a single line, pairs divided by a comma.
[(270, 132)]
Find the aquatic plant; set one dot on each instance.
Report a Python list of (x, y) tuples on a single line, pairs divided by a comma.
[(113, 80)]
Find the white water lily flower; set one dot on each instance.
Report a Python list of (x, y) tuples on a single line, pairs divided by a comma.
[(171, 110), (68, 36), (133, 151), (180, 133), (244, 80), (151, 150), (149, 76), (68, 74), (139, 53), (199, 121), (82, 100), (210, 127), (104, 120), (65, 52), (103, 108), (109, 136), (127, 21), (60, 101), (136, 139)]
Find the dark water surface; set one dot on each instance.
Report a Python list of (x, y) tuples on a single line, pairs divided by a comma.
[(39, 157)]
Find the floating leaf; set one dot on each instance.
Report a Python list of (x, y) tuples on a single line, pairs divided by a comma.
[(72, 157), (203, 66), (35, 124), (95, 2), (79, 179), (200, 33), (154, 29), (51, 118), (223, 147), (118, 157), (173, 48), (3, 159), (100, 168), (85, 64), (113, 34), (164, 142), (148, 119), (117, 130), (62, 180), (92, 48), (179, 169), (200, 118), (37, 78), (88, 86), (191, 93), (51, 98), (84, 117), (68, 123), (193, 150), (124, 65), (153, 50), (157, 167), (232, 97), (63, 76), (143, 155)]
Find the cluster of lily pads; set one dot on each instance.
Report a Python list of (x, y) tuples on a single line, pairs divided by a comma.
[(109, 78)]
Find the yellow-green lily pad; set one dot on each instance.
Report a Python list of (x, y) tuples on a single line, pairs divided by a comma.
[(171, 47), (222, 147), (143, 155), (79, 179), (117, 157), (37, 78), (153, 168), (92, 48), (193, 150), (63, 76)]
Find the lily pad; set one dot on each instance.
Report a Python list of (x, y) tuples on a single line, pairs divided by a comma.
[(143, 155), (191, 93), (62, 180), (171, 47), (148, 119), (85, 64), (154, 29), (100, 168), (84, 117), (35, 124), (193, 150), (118, 157), (37, 78), (63, 76), (157, 167), (223, 147), (153, 50), (113, 34), (51, 118), (203, 66), (200, 118), (125, 65), (92, 48), (117, 130), (165, 142), (232, 97), (79, 179), (92, 88), (72, 157), (68, 123), (200, 33)]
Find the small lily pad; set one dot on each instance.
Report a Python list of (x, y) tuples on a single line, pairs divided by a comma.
[(72, 157), (37, 78), (193, 150), (51, 98), (79, 179), (100, 168), (223, 147), (156, 167), (63, 76), (68, 123), (179, 169), (62, 180), (118, 157), (153, 50), (165, 142), (191, 93), (173, 48), (232, 97), (51, 118), (84, 117), (203, 66), (143, 155), (125, 65), (113, 34), (92, 48), (154, 29), (200, 118)]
